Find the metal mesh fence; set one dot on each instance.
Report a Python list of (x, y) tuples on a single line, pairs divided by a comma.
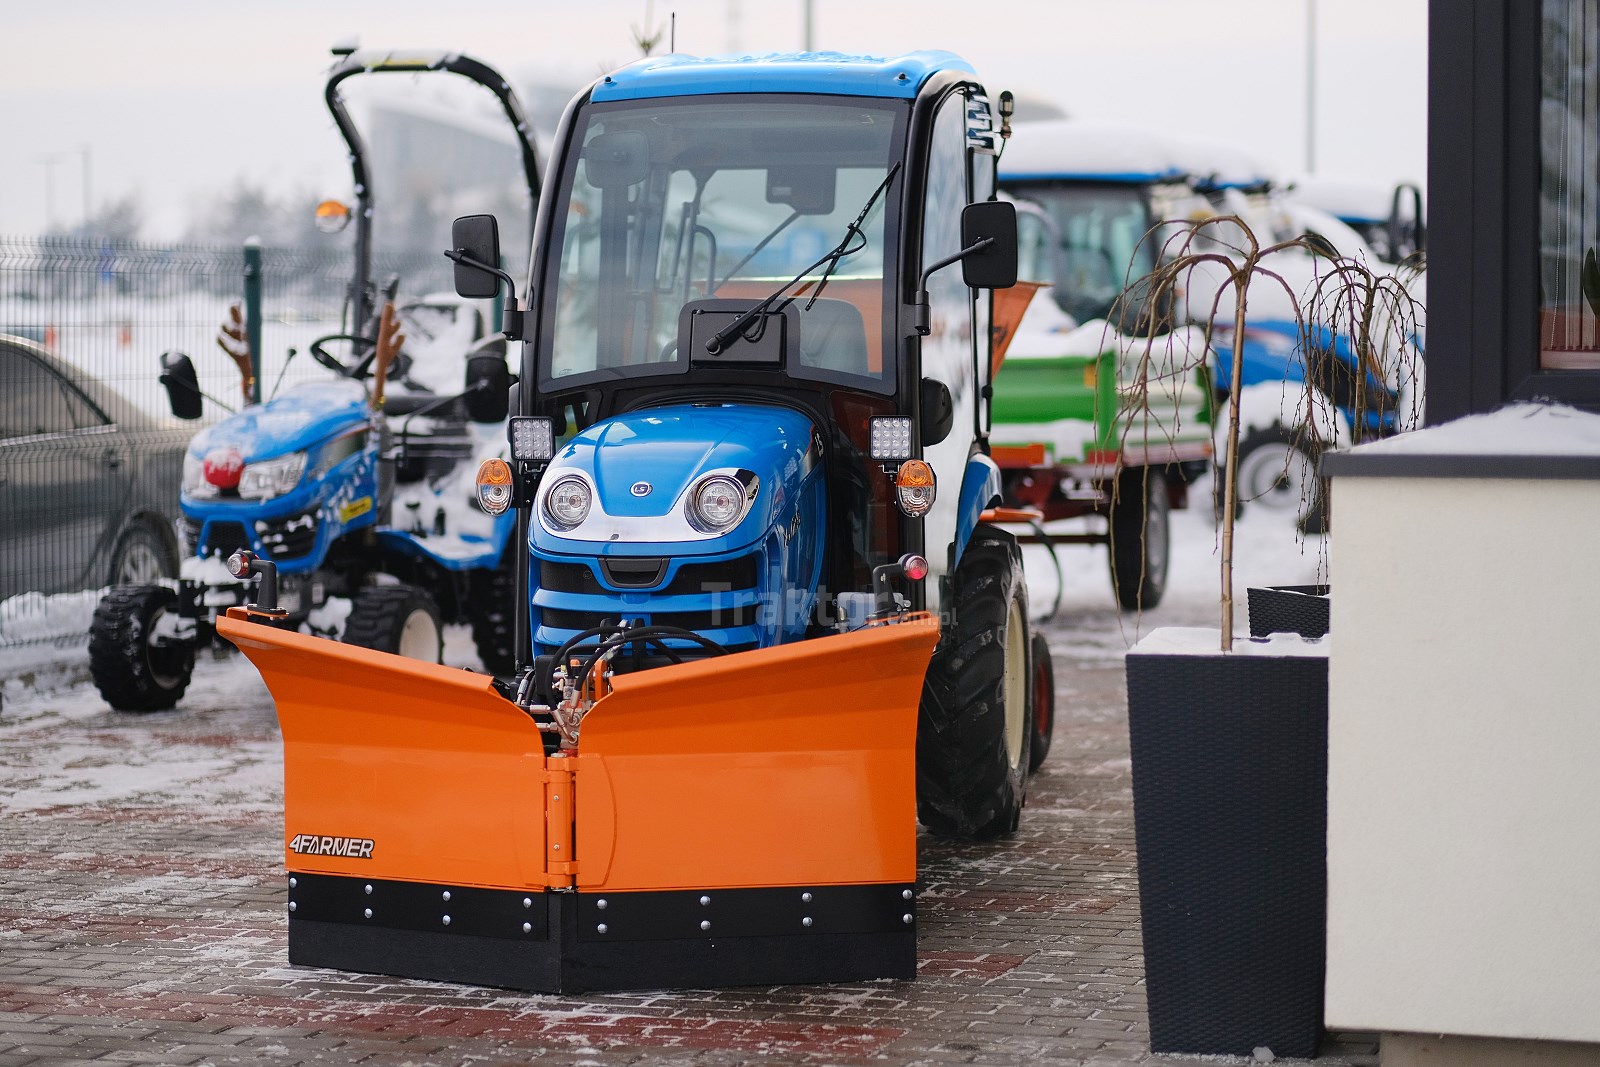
[(90, 457)]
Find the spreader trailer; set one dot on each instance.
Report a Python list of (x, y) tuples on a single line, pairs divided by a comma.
[(771, 619)]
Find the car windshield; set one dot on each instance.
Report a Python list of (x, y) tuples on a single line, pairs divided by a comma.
[(1101, 228), (726, 197)]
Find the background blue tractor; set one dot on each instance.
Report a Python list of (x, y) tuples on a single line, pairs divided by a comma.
[(360, 487)]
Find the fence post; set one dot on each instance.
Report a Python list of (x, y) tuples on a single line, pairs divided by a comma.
[(252, 309)]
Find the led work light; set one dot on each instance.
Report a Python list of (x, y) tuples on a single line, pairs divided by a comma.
[(891, 438), (533, 439)]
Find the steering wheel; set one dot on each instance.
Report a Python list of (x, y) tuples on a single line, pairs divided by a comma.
[(329, 360)]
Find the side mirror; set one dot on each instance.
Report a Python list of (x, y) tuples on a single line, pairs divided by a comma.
[(938, 411), (476, 239), (183, 387), (995, 265), (488, 394)]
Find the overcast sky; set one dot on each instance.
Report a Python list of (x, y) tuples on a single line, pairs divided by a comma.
[(176, 100)]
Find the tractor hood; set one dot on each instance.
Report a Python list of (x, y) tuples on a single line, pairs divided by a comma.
[(291, 422), (641, 471)]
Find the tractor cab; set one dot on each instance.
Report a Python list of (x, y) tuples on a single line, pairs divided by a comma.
[(761, 383)]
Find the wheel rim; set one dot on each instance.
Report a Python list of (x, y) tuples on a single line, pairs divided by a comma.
[(1016, 683), (1274, 476), (139, 564), (1043, 701), (419, 638), (165, 660), (1155, 535)]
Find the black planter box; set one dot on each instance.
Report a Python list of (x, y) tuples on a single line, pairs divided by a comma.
[(1288, 609), (1230, 770)]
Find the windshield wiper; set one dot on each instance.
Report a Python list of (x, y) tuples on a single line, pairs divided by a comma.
[(831, 258)]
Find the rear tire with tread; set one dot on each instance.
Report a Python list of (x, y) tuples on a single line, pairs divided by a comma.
[(399, 619), (973, 734), (131, 673)]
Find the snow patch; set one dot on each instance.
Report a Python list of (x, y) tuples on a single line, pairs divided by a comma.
[(1513, 430)]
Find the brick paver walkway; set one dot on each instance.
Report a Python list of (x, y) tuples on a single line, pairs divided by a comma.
[(142, 920)]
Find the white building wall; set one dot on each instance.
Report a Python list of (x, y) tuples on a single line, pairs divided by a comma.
[(1464, 757)]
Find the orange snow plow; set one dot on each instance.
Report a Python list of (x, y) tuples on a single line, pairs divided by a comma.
[(745, 819)]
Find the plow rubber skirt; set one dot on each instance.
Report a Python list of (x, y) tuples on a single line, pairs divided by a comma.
[(747, 819), (553, 942)]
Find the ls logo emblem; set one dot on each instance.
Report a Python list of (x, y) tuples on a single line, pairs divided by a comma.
[(640, 489)]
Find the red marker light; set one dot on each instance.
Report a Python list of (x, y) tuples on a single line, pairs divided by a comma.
[(914, 567), (222, 467)]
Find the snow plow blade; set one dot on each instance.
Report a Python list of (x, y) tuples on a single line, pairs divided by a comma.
[(748, 819)]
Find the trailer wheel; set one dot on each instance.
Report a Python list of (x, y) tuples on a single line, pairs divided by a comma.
[(1138, 538), (136, 667), (973, 733), (1042, 720), (401, 619), (492, 610)]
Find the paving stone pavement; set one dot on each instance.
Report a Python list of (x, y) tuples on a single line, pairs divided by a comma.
[(142, 920)]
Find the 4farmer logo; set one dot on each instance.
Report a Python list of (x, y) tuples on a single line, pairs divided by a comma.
[(355, 848)]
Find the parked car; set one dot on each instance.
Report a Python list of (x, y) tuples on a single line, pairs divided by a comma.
[(88, 482)]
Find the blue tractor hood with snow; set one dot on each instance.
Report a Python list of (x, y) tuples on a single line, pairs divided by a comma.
[(335, 490), (294, 420), (642, 537)]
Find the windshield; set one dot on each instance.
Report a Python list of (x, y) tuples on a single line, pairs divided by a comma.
[(726, 197), (1101, 228)]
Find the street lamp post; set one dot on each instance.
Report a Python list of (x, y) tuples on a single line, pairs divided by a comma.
[(1311, 86)]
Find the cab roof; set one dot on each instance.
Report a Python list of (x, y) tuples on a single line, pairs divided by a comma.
[(898, 77)]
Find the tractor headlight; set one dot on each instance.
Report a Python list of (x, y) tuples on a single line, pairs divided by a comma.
[(567, 503), (271, 477), (718, 503)]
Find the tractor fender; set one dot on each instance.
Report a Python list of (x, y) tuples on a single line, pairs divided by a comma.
[(980, 490)]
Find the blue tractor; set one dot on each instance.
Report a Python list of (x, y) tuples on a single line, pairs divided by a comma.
[(358, 486), (775, 617)]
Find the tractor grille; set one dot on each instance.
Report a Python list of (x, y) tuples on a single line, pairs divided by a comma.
[(226, 538), (715, 619), (289, 538), (623, 572)]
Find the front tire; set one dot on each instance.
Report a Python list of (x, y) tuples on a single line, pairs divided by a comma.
[(399, 619), (1277, 472), (973, 735), (1138, 548), (133, 665)]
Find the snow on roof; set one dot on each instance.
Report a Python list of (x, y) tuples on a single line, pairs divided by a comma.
[(1513, 430), (1349, 200), (1222, 165), (1077, 148)]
